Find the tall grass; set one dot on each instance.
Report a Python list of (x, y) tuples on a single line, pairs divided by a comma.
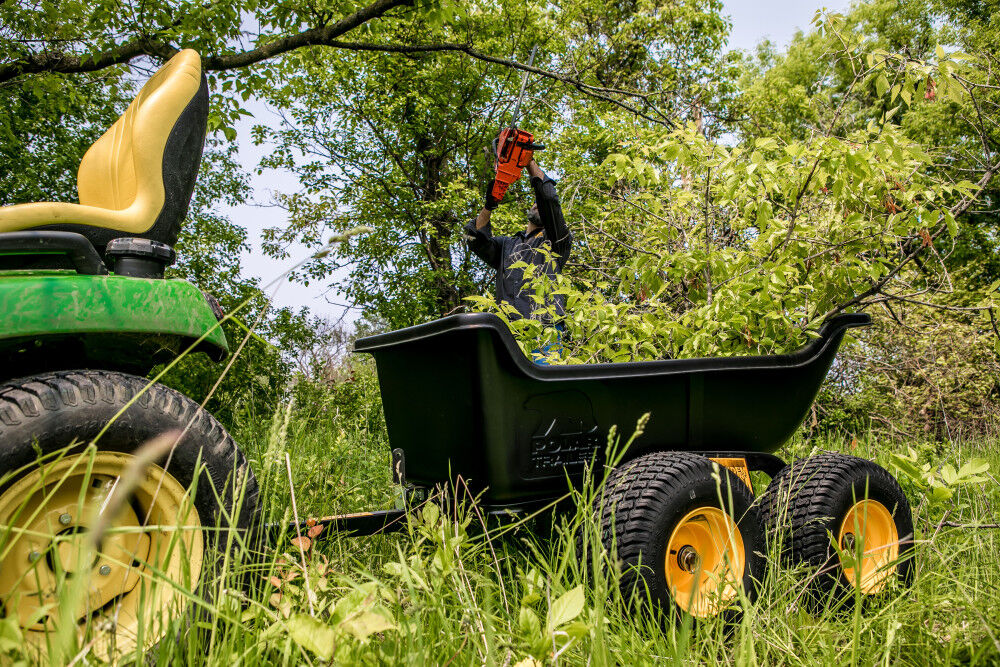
[(450, 590)]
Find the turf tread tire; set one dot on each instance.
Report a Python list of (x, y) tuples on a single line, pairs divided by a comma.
[(807, 500), (51, 410), (645, 497)]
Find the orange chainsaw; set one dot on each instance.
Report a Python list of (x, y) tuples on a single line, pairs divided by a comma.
[(513, 148)]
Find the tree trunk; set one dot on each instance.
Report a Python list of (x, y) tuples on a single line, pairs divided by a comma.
[(437, 241)]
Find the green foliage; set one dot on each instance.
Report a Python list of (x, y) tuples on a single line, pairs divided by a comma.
[(397, 144), (938, 484), (928, 374), (722, 203), (255, 379), (442, 589), (343, 620), (701, 246), (447, 588), (939, 96), (764, 243), (48, 123), (349, 397), (831, 177), (561, 627), (11, 640)]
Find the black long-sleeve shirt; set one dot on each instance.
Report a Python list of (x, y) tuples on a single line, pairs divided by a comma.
[(500, 252)]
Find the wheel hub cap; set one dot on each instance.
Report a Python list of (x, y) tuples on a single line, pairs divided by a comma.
[(870, 544), (705, 562), (50, 554), (688, 559)]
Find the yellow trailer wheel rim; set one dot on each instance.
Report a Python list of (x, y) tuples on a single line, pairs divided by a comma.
[(123, 586), (705, 562), (869, 544)]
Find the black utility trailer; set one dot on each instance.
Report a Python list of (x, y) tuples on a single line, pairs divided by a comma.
[(462, 401), (461, 398)]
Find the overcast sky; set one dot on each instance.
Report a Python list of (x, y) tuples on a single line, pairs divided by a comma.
[(753, 21)]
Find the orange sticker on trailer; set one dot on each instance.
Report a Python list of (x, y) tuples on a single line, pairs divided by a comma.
[(738, 467)]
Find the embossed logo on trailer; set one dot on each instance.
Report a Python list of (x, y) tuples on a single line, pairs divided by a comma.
[(564, 436)]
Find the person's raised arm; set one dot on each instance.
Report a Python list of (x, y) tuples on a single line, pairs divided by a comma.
[(550, 213), (483, 219), (479, 234)]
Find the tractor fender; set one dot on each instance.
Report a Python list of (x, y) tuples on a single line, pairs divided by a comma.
[(58, 321)]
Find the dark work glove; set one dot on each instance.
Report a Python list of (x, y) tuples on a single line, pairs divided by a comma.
[(491, 203)]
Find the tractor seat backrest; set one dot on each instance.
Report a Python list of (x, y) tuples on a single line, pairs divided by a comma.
[(137, 179)]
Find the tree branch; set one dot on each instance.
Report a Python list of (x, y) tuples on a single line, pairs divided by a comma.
[(153, 45), (598, 92), (955, 211), (312, 37)]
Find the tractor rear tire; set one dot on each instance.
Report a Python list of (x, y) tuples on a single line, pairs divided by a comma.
[(54, 485), (685, 530), (835, 498)]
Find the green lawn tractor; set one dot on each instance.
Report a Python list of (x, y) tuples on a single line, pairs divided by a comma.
[(86, 314)]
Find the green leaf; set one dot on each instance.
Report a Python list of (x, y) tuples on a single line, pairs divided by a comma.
[(940, 494), (577, 629), (881, 84), (949, 220), (567, 607), (528, 621), (367, 623), (908, 468), (948, 474), (431, 514), (973, 467), (313, 635), (11, 639)]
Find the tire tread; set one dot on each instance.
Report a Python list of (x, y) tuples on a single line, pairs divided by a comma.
[(798, 506), (31, 398), (636, 496)]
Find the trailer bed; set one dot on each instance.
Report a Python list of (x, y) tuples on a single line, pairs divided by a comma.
[(461, 399)]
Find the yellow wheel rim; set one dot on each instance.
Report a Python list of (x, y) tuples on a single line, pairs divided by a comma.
[(125, 591), (705, 562), (870, 545)]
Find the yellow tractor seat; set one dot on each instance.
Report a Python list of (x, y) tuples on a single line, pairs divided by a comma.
[(137, 179)]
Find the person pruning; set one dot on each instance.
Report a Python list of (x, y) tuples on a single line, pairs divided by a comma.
[(545, 224)]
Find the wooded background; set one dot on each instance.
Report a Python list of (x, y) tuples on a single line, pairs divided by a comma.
[(723, 202)]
